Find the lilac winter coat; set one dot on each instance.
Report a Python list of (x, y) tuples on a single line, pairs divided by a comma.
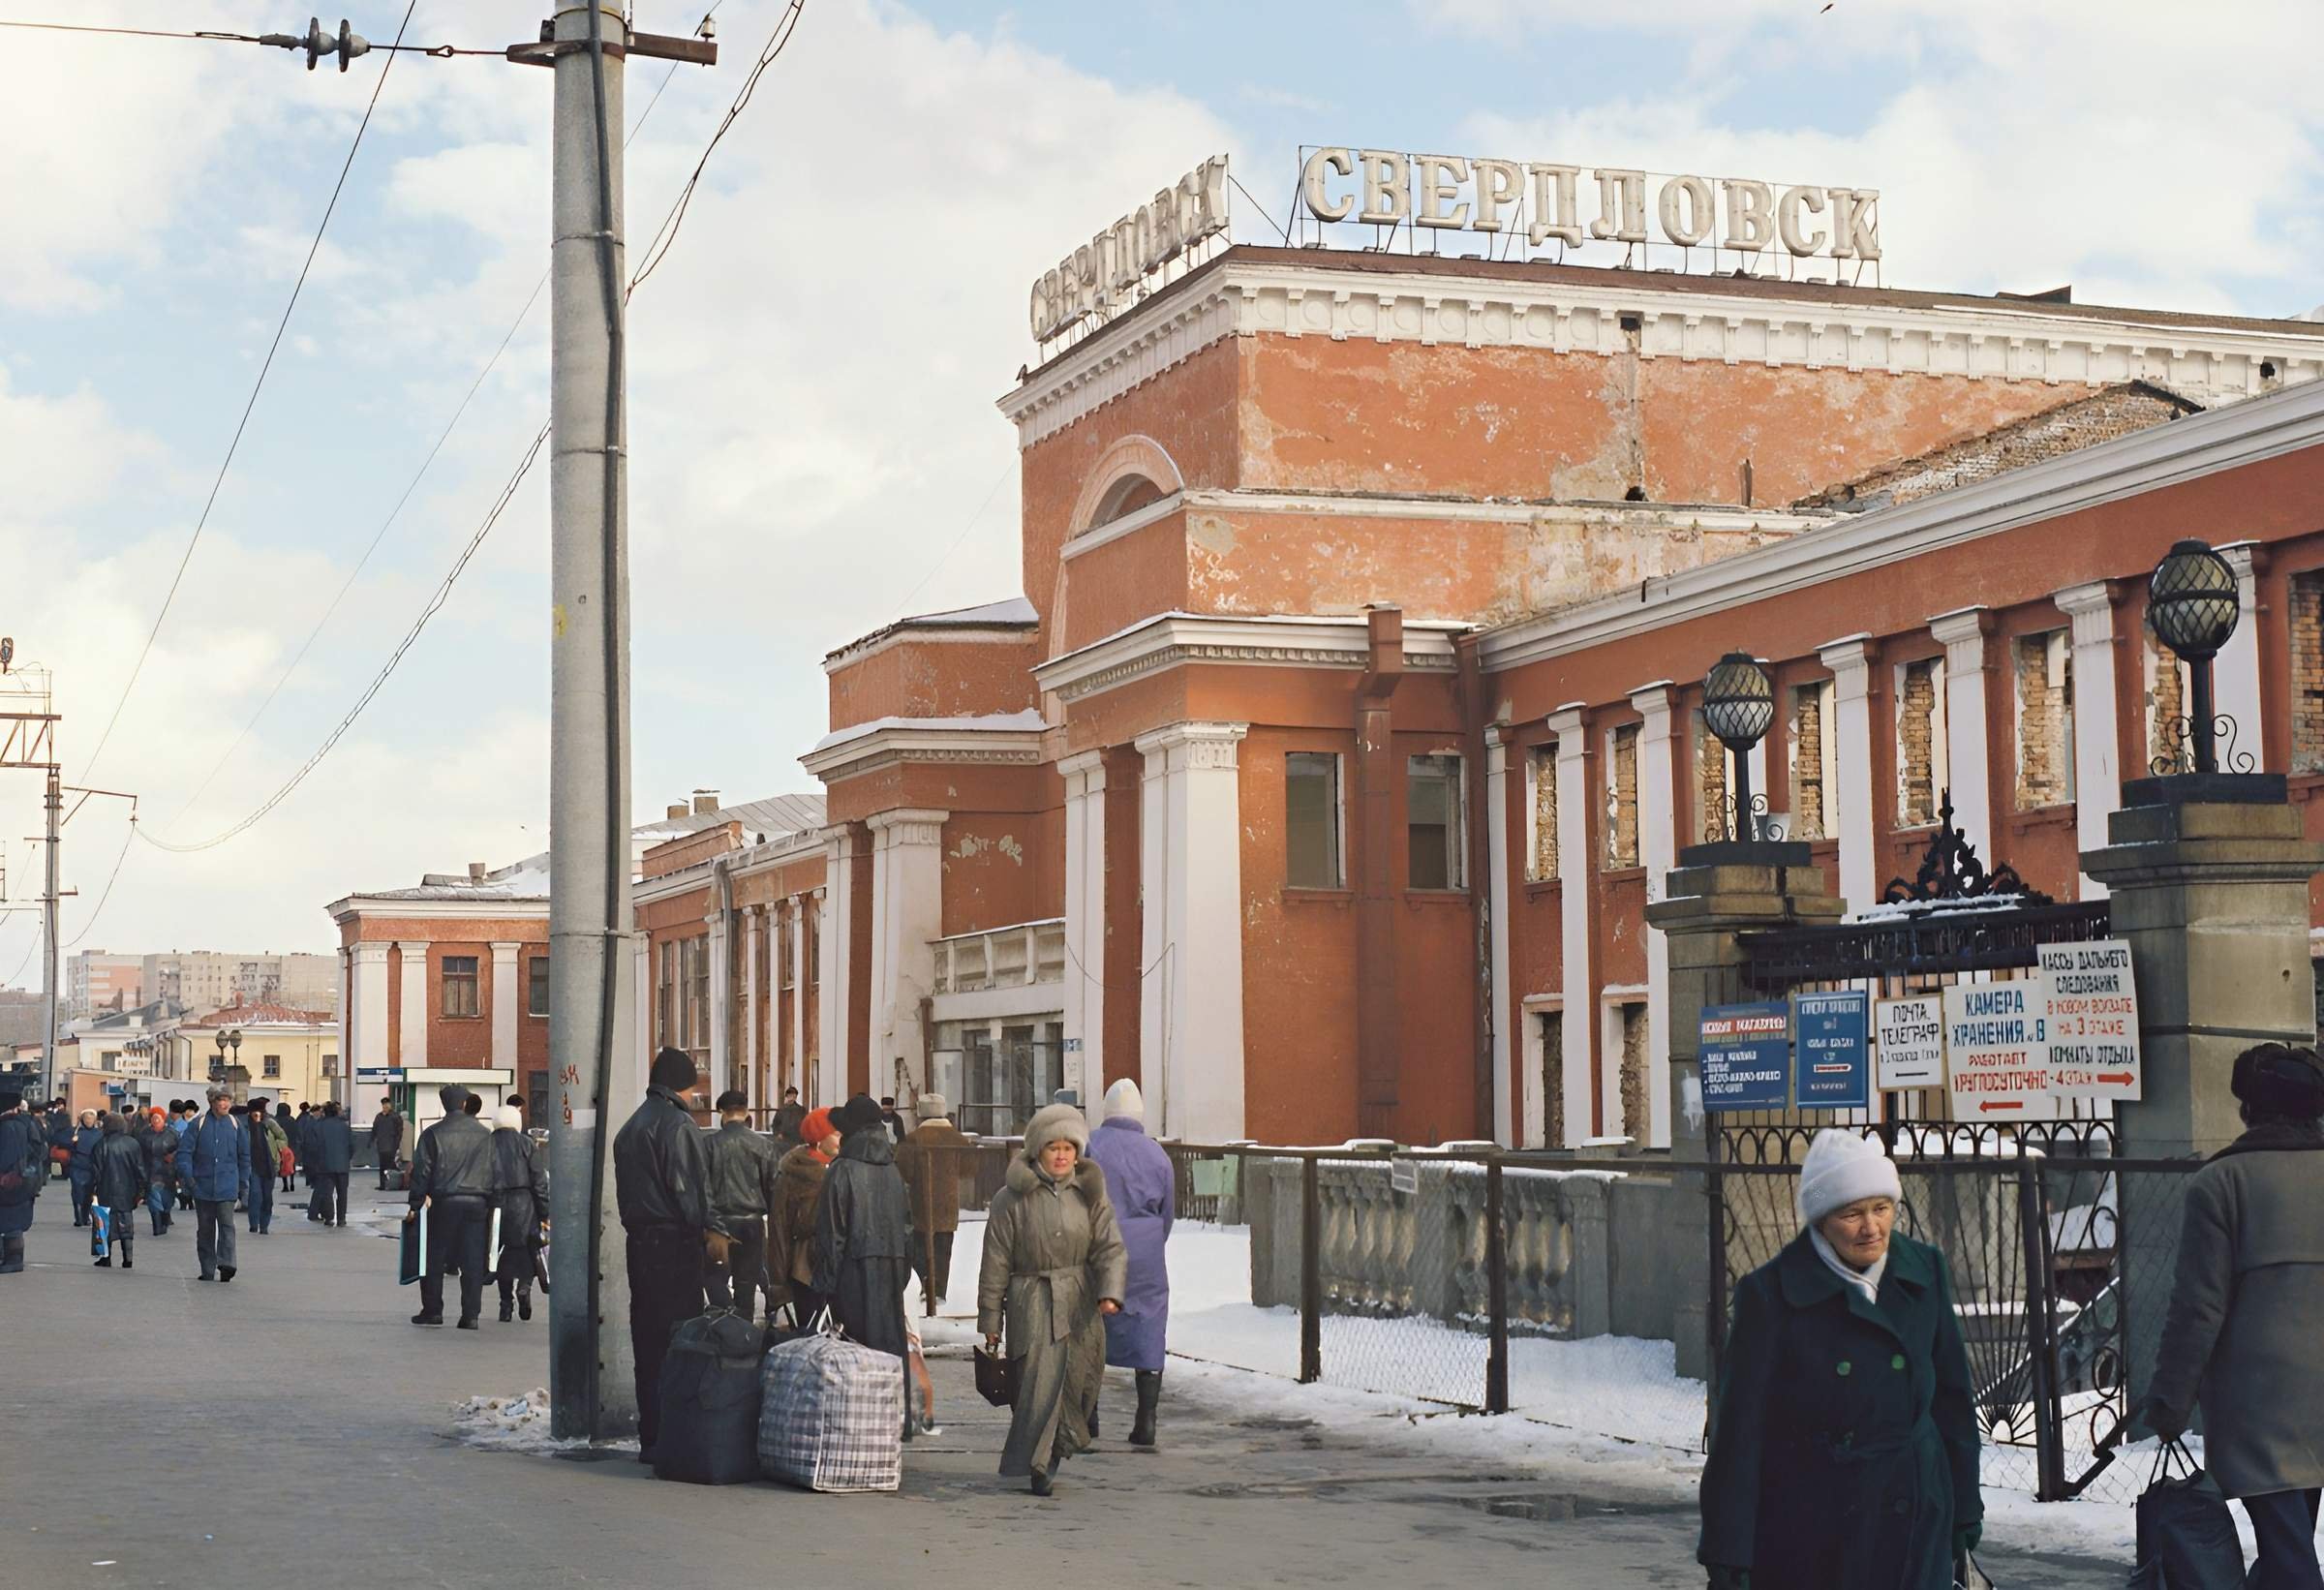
[(1139, 1184)]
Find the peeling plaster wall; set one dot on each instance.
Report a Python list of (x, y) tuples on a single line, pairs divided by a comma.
[(992, 872)]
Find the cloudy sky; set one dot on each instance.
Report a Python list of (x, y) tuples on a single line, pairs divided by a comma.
[(815, 365)]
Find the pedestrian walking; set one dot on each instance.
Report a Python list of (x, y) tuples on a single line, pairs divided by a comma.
[(661, 1184), (745, 1182), (1053, 1266), (863, 1253), (188, 1113), (213, 1169), (266, 1145), (892, 1118), (117, 1184), (932, 1157), (289, 1158), (789, 1119), (81, 1164), (56, 1131), (451, 1178), (791, 1225), (331, 1141), (1143, 1188), (1845, 1447), (150, 1130), (386, 1138), (2239, 1339), (520, 1192), (22, 1148)]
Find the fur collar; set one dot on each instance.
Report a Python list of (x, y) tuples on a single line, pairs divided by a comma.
[(1088, 1179)]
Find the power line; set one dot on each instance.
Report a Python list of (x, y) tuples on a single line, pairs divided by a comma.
[(90, 926), (277, 41), (425, 464), (175, 580)]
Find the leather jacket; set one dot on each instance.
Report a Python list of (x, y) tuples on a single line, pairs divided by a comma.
[(661, 1169), (454, 1160), (743, 1171)]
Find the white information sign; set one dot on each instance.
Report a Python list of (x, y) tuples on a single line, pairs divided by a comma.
[(1910, 1043), (1998, 1050), (2092, 1020)]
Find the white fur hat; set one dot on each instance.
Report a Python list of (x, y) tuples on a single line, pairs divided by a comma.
[(510, 1117), (1125, 1099), (1842, 1167)]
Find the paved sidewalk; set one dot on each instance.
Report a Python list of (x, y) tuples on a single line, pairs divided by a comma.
[(301, 1440)]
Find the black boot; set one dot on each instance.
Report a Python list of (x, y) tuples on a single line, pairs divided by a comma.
[(1042, 1484), (524, 1302), (11, 1255), (128, 1259), (1149, 1397)]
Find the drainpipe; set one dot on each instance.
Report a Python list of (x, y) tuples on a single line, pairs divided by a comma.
[(723, 880), (1378, 1009), (1475, 710)]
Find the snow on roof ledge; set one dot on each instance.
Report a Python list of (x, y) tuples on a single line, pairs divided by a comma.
[(1027, 721)]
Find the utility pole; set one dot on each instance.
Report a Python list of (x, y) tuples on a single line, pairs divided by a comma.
[(598, 1072), (52, 804)]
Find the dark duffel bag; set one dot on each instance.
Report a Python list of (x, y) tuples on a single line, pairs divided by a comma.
[(710, 1396), (2186, 1538)]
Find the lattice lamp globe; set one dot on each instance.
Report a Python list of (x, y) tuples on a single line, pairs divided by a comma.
[(2192, 600), (1738, 701)]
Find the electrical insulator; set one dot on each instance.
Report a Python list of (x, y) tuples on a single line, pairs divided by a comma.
[(347, 45)]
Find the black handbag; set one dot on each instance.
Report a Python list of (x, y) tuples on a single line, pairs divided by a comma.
[(2186, 1538), (997, 1379)]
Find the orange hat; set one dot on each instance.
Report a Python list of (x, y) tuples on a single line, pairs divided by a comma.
[(815, 1128)]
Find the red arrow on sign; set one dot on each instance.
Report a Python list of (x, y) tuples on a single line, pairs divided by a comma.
[(1990, 1105), (2123, 1078)]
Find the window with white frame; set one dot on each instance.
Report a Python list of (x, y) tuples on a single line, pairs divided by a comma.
[(1432, 822), (1541, 813), (2044, 680), (1622, 797), (1311, 821), (1922, 766)]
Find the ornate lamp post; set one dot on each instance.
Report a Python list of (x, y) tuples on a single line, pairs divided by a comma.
[(1738, 704), (2194, 604)]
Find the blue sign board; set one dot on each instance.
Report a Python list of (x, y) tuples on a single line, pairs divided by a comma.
[(1746, 1052), (1835, 1050)]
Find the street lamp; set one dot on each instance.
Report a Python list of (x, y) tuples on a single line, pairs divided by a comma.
[(2194, 604), (1738, 704)]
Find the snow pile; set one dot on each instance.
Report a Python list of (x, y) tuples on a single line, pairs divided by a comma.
[(512, 1424)]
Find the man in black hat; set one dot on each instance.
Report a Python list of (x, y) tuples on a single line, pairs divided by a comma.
[(451, 1176), (2240, 1337), (661, 1184)]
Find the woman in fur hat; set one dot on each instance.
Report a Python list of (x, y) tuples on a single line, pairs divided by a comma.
[(1054, 1268), (1845, 1450)]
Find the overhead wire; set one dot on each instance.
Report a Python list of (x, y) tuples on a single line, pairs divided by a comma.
[(425, 464), (88, 927), (214, 36), (283, 325)]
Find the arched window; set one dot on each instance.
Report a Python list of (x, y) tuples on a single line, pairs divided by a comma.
[(1126, 497)]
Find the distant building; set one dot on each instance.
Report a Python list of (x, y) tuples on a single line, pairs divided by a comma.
[(212, 979), (292, 1055), (97, 981)]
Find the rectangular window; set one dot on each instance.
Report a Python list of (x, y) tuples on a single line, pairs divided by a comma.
[(2045, 718), (1311, 820), (1923, 770), (697, 996), (2307, 673), (1541, 813), (271, 1067), (1714, 785), (1622, 797), (1637, 1121), (536, 986), (814, 947), (1432, 822), (666, 998), (1553, 1079), (784, 930), (330, 1065), (460, 985), (1815, 779)]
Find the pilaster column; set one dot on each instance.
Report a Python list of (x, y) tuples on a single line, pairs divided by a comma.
[(1503, 1017), (1085, 923), (1968, 749), (508, 1006), (1855, 803), (2098, 749), (908, 916), (753, 934), (367, 1009), (722, 997), (411, 988), (1192, 1006), (2235, 671), (1658, 851), (1575, 868), (827, 1085), (801, 906)]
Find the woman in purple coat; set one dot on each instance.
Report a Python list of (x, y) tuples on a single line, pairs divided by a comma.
[(1139, 1184)]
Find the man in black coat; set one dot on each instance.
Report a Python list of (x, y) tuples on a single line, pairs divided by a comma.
[(23, 1147), (520, 1191), (386, 1138), (117, 1184), (332, 1142), (788, 1118), (661, 1182), (864, 1231), (451, 1177), (743, 1181)]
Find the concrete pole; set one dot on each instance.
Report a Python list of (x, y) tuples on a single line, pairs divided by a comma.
[(593, 1043), (53, 802)]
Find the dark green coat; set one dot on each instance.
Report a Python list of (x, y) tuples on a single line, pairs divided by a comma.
[(1845, 1452)]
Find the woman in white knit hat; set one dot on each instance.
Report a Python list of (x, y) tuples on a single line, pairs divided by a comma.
[(1845, 1447)]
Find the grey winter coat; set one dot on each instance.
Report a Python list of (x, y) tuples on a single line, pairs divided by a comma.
[(1053, 1252), (864, 1241), (2240, 1335)]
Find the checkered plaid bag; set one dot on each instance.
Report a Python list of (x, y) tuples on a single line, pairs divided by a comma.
[(831, 1416)]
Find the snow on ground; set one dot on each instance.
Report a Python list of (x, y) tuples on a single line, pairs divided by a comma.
[(514, 1424)]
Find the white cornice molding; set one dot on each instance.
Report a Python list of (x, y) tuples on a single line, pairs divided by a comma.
[(1170, 640), (891, 744), (1982, 339), (432, 911), (2145, 461)]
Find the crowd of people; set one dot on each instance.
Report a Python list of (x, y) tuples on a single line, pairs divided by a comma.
[(831, 1217)]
